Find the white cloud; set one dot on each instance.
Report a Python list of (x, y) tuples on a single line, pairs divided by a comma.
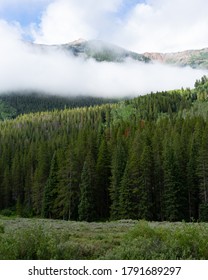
[(24, 68), (165, 25), (154, 25), (68, 20)]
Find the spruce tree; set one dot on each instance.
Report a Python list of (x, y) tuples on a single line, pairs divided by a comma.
[(87, 205), (67, 200), (202, 172), (103, 180), (117, 170), (50, 191)]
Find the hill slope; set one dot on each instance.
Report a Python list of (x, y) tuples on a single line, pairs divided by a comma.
[(14, 104)]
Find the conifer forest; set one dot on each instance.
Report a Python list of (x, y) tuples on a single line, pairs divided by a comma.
[(142, 158)]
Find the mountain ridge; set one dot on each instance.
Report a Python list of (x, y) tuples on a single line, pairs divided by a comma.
[(102, 51), (192, 58)]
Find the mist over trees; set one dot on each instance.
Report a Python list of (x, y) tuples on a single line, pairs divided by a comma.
[(145, 158)]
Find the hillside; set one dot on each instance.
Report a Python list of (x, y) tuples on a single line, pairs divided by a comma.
[(17, 103), (96, 49), (102, 51), (144, 158), (193, 58)]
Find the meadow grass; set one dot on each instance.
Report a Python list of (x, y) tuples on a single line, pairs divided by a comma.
[(31, 239)]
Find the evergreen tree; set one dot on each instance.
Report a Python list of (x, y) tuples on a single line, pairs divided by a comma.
[(103, 180), (117, 170), (50, 190), (146, 184), (40, 178), (202, 171), (67, 200), (129, 193), (87, 205), (170, 196)]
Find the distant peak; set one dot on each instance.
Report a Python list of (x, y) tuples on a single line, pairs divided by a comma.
[(79, 41)]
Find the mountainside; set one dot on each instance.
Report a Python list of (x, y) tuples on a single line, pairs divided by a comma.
[(98, 50), (102, 51), (14, 104), (192, 58)]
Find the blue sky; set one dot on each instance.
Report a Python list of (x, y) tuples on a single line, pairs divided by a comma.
[(29, 12), (24, 15)]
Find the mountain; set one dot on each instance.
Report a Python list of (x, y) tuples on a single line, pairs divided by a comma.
[(96, 49), (103, 51), (192, 58)]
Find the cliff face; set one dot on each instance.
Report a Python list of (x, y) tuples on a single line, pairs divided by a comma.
[(192, 58)]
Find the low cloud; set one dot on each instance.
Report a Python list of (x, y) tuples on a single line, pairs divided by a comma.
[(25, 67)]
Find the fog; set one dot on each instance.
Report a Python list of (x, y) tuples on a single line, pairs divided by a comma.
[(25, 67)]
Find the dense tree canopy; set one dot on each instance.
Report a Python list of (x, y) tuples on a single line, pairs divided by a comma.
[(145, 158)]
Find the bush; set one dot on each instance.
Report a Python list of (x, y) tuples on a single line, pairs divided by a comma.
[(149, 241), (1, 228), (7, 212)]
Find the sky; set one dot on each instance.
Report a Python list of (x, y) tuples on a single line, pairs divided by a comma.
[(137, 25)]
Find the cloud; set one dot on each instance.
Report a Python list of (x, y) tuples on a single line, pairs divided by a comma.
[(151, 25), (165, 25), (67, 20), (23, 67)]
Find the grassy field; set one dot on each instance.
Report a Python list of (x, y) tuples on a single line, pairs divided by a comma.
[(126, 239)]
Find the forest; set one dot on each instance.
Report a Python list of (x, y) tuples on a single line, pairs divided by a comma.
[(144, 158), (13, 104)]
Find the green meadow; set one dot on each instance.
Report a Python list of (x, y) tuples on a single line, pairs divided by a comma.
[(44, 239)]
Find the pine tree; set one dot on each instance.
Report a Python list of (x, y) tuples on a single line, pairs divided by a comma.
[(129, 192), (170, 197), (17, 182), (87, 205), (117, 170), (103, 180), (202, 171), (146, 184), (67, 200), (40, 178), (50, 190)]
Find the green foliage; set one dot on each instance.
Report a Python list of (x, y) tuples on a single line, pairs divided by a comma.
[(31, 239), (176, 241), (14, 104), (50, 190), (144, 158), (87, 206), (6, 111), (1, 228)]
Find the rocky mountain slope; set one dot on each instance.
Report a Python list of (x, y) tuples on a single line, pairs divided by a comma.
[(192, 58)]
